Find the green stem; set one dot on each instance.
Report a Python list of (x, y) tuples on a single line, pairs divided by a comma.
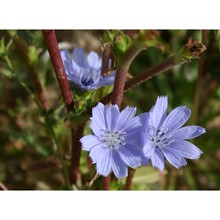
[(199, 83), (59, 154), (21, 82)]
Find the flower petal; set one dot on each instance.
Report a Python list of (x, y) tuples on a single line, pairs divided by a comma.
[(92, 59), (79, 57), (65, 55), (98, 122), (159, 112), (144, 119), (97, 153), (134, 137), (186, 149), (128, 157), (157, 159), (114, 117), (67, 64), (177, 118), (173, 157), (188, 132), (106, 81), (138, 151), (148, 149), (89, 141), (127, 121), (111, 113), (76, 68), (119, 167), (103, 166)]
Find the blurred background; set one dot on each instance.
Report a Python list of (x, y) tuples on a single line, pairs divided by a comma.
[(27, 160)]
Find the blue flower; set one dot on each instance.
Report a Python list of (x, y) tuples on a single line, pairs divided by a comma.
[(164, 137), (116, 141), (85, 72)]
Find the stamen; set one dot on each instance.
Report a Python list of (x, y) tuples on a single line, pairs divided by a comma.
[(113, 139), (161, 137), (88, 76)]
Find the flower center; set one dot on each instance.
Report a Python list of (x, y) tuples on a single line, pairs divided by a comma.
[(88, 76), (113, 139), (161, 138)]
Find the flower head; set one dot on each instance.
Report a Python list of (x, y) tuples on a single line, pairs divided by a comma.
[(116, 140), (164, 137), (85, 71)]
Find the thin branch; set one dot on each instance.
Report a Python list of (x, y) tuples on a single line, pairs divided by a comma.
[(179, 58), (120, 78), (39, 90), (199, 82), (76, 152), (105, 60), (53, 49)]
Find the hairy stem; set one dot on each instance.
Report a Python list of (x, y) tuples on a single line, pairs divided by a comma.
[(53, 49), (120, 78)]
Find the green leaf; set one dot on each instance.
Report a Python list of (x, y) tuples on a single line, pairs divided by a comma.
[(27, 36), (119, 41), (3, 50), (7, 73)]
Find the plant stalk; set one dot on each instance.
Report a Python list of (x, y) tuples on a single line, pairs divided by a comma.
[(118, 88), (53, 49)]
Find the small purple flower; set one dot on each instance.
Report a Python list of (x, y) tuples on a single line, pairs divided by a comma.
[(164, 137), (116, 142), (85, 72)]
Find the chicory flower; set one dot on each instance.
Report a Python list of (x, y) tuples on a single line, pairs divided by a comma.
[(163, 136), (85, 71), (116, 142)]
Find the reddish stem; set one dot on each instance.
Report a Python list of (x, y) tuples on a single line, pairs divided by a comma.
[(129, 179), (76, 152), (40, 93), (105, 60), (148, 74), (53, 49), (118, 89), (106, 182), (120, 78)]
